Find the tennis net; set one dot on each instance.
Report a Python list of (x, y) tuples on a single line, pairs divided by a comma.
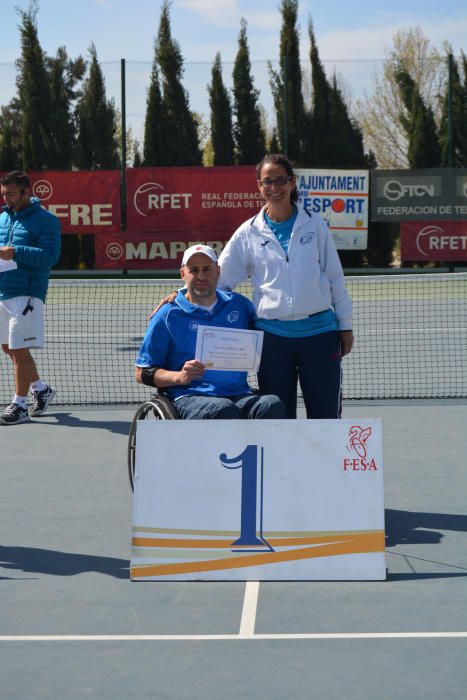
[(410, 338)]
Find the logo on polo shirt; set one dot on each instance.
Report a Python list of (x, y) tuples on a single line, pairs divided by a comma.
[(193, 325), (233, 316)]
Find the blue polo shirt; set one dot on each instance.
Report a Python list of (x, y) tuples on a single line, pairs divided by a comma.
[(170, 341)]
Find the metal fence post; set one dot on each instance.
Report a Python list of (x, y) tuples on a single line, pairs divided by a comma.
[(286, 107), (450, 118), (123, 144)]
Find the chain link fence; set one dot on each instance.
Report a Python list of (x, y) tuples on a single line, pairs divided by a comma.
[(356, 78)]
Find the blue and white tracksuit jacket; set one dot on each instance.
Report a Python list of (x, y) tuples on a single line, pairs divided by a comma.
[(307, 280)]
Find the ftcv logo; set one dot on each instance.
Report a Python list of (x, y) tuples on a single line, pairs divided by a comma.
[(397, 189), (357, 447)]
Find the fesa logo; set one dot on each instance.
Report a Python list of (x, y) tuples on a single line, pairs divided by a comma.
[(151, 196), (357, 445), (42, 189)]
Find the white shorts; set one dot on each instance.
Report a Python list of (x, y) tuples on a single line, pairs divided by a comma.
[(22, 322)]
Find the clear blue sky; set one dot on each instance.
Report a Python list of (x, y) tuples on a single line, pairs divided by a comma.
[(345, 29)]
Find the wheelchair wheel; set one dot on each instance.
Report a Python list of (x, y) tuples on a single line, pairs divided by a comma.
[(156, 408)]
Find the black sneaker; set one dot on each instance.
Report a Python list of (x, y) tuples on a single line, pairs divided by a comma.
[(14, 414), (41, 400)]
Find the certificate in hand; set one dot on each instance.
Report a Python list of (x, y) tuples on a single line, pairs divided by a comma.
[(229, 349)]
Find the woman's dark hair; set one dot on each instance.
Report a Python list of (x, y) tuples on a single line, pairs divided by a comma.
[(279, 159)]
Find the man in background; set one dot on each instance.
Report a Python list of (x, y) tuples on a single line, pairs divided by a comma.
[(29, 247)]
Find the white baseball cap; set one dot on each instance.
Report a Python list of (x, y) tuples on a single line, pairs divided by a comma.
[(199, 248)]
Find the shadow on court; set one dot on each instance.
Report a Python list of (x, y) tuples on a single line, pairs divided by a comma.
[(71, 420), (405, 527), (402, 527), (36, 560)]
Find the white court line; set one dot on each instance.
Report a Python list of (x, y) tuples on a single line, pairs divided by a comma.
[(228, 637), (250, 603)]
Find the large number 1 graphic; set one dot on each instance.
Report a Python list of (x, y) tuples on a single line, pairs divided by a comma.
[(251, 531)]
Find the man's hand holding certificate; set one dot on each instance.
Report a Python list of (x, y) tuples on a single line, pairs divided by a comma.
[(229, 349)]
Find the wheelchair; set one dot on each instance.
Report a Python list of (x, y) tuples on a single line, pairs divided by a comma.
[(157, 407)]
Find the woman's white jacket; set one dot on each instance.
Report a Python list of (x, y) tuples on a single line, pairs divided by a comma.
[(307, 280)]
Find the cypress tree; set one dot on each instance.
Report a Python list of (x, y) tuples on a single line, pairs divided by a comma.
[(274, 146), (346, 138), (96, 143), (34, 94), (321, 129), (337, 139), (137, 160), (221, 117), (290, 76), (248, 133), (181, 136), (155, 151), (423, 149), (10, 136), (63, 74), (461, 125), (459, 119)]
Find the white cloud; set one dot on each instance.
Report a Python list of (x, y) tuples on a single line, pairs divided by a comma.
[(213, 11), (372, 41), (227, 14), (265, 21)]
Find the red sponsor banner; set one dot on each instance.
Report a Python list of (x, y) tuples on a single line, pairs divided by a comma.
[(434, 240), (84, 201), (192, 200), (155, 251)]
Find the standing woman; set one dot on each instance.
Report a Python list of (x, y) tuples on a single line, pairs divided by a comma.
[(299, 294)]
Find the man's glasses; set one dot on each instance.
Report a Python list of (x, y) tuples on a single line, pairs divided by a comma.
[(269, 182)]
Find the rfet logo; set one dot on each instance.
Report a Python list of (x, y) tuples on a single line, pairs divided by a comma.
[(425, 237), (431, 238), (357, 445), (42, 189), (151, 196)]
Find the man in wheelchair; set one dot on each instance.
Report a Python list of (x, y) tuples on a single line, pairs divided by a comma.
[(165, 359)]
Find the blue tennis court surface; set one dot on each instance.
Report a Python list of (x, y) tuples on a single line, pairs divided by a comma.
[(72, 625)]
